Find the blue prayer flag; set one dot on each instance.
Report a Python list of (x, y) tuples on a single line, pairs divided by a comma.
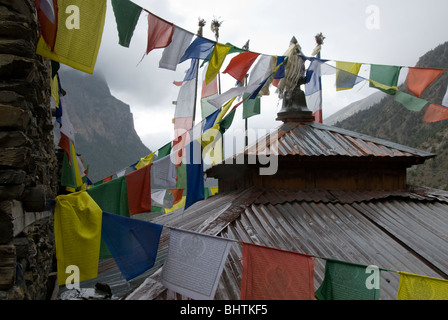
[(133, 243), (200, 48)]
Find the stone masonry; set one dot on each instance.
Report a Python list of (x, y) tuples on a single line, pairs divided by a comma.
[(29, 170)]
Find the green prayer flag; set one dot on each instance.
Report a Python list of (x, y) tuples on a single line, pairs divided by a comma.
[(126, 15), (226, 122), (181, 176), (164, 151), (410, 102), (349, 281), (251, 107), (384, 78)]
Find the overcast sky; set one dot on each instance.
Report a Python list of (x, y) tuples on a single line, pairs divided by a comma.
[(392, 32)]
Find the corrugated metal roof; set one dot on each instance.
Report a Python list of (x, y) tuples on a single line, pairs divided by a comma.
[(399, 232), (315, 139)]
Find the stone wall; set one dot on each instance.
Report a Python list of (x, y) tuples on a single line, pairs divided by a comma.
[(29, 170)]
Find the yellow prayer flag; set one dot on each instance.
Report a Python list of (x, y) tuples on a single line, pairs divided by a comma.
[(346, 75), (54, 85), (78, 39), (224, 110), (77, 230), (219, 54), (145, 161), (416, 287)]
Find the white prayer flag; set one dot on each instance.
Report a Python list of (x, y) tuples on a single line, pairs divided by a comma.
[(194, 263), (171, 55), (445, 99)]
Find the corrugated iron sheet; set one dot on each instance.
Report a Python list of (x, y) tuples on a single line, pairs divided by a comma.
[(405, 232), (314, 139)]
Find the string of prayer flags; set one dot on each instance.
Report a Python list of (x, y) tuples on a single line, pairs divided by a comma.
[(416, 287), (133, 243), (349, 281), (384, 77), (77, 231), (274, 274), (347, 75), (171, 55), (435, 112), (239, 65), (138, 185), (75, 45), (47, 11), (126, 15), (200, 49), (194, 264), (160, 33), (219, 54), (418, 79)]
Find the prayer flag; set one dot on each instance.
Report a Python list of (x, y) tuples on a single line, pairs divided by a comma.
[(226, 122), (163, 173), (182, 128), (416, 287), (160, 33), (384, 77), (145, 161), (200, 48), (132, 242), (262, 70), (79, 34), (348, 281), (418, 79), (47, 11), (274, 274), (126, 15), (77, 231), (195, 173), (435, 113), (171, 55), (240, 65), (219, 54), (111, 196), (409, 101), (186, 100), (347, 75), (251, 107), (211, 88), (445, 99), (194, 264), (164, 151), (72, 170), (138, 185), (313, 89)]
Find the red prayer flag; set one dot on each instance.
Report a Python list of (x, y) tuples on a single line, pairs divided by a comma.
[(240, 65), (138, 185), (274, 274), (418, 79), (160, 33), (435, 113), (177, 194), (47, 11)]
